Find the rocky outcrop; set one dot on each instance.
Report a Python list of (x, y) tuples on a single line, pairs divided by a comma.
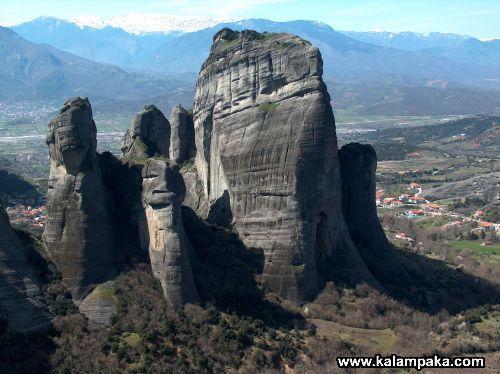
[(195, 197), (99, 305), (358, 163), (154, 204), (148, 135), (78, 232), (265, 139), (182, 147), (20, 295), (164, 236)]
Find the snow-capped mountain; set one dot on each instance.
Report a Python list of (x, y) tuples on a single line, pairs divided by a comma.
[(141, 23), (407, 40), (420, 59)]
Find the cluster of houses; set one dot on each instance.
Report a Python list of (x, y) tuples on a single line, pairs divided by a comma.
[(422, 205), (488, 226), (481, 225), (403, 236), (27, 216)]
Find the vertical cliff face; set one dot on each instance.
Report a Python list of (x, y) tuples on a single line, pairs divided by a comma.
[(164, 236), (18, 284), (358, 163), (266, 142), (78, 232), (182, 147), (148, 135)]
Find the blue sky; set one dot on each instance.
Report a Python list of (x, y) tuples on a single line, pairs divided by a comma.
[(479, 18)]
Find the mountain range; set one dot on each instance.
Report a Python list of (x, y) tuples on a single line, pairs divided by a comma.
[(360, 57), (76, 57), (32, 71), (456, 47), (408, 41)]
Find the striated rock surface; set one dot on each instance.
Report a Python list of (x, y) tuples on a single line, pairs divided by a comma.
[(148, 135), (99, 305), (78, 232), (358, 163), (195, 197), (19, 291), (182, 147), (164, 236), (266, 144)]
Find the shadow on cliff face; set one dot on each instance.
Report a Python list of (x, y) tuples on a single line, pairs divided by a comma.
[(124, 187), (24, 353), (224, 271), (435, 286)]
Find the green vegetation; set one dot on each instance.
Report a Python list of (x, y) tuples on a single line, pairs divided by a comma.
[(132, 339), (489, 323), (104, 292), (140, 161), (140, 144), (188, 165), (492, 213), (476, 246), (227, 334), (268, 106), (230, 43), (393, 150), (379, 340), (431, 222), (281, 46), (265, 36), (298, 268), (161, 158), (473, 136)]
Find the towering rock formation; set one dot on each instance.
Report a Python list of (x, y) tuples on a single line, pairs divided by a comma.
[(18, 285), (267, 165), (148, 135), (78, 232), (163, 193), (182, 147), (358, 163), (155, 204), (266, 145)]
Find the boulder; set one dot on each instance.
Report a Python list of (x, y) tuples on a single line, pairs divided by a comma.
[(78, 232), (148, 135), (266, 144), (163, 191)]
